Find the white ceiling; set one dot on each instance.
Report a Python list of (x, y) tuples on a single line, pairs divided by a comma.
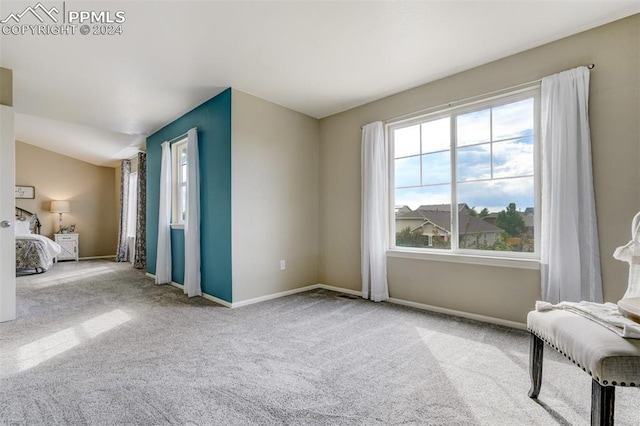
[(96, 97)]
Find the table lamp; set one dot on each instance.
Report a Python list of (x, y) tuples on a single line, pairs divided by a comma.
[(60, 207)]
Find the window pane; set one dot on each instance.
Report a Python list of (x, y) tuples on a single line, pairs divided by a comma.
[(474, 127), (436, 135), (513, 158), (474, 162), (513, 120), (183, 173), (496, 195), (495, 226), (428, 222), (406, 141), (436, 168), (183, 202), (425, 195), (407, 171), (132, 202), (494, 178)]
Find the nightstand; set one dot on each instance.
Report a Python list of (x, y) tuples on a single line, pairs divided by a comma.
[(69, 244)]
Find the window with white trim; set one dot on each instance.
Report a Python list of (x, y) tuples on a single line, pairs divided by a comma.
[(179, 182), (132, 209), (464, 179)]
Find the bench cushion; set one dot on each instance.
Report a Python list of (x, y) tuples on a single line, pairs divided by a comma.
[(607, 357)]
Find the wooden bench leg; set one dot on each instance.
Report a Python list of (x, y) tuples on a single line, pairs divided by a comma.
[(536, 353), (602, 403)]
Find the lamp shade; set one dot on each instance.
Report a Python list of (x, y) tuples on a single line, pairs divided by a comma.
[(60, 207)]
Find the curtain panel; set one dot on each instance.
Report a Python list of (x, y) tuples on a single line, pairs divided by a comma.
[(140, 255), (569, 247), (163, 253), (122, 252), (374, 212), (192, 221)]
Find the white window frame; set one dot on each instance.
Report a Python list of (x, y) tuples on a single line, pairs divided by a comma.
[(177, 222), (456, 254)]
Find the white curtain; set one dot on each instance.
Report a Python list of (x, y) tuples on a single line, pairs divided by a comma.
[(132, 202), (122, 252), (375, 212), (163, 256), (192, 221), (570, 256), (132, 213)]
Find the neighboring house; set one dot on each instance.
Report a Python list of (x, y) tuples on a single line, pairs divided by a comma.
[(491, 218), (529, 222), (434, 223), (462, 207), (402, 209), (527, 216), (476, 233)]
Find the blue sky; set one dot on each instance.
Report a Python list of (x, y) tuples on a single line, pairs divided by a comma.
[(490, 173)]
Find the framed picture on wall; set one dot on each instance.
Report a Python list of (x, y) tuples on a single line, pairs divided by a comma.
[(25, 191)]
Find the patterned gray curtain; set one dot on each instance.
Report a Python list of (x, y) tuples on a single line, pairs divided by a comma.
[(140, 258), (122, 254)]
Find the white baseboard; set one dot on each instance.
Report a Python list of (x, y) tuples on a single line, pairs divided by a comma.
[(218, 301), (264, 298), (273, 296), (339, 289), (204, 295), (111, 256), (431, 308), (477, 317)]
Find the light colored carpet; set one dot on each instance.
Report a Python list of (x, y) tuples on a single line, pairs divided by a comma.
[(98, 343)]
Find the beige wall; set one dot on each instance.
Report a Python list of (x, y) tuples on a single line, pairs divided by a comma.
[(275, 211), (6, 87), (505, 293), (89, 188)]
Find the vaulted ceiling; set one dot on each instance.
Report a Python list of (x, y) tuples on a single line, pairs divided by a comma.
[(96, 97)]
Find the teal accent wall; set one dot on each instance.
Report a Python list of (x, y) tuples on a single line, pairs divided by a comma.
[(213, 120)]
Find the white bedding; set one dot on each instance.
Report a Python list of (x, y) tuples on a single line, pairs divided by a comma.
[(51, 247), (45, 252)]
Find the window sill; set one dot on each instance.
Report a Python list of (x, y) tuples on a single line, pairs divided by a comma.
[(177, 226), (504, 262)]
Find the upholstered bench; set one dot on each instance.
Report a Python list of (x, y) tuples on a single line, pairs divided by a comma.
[(608, 358)]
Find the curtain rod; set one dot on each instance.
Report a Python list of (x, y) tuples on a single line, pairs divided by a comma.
[(451, 103), (135, 156), (181, 136)]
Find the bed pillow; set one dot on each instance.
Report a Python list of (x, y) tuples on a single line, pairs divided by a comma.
[(22, 227)]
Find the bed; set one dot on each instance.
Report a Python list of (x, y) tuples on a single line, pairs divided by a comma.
[(34, 252)]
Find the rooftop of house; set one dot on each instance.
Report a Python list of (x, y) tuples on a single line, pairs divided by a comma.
[(442, 207), (442, 219)]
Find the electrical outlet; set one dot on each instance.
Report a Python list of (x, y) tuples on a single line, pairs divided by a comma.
[(283, 266)]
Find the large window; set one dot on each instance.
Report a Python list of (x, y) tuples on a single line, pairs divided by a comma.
[(179, 179), (132, 209), (464, 179)]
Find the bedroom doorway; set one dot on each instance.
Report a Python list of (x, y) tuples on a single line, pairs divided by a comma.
[(7, 215)]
